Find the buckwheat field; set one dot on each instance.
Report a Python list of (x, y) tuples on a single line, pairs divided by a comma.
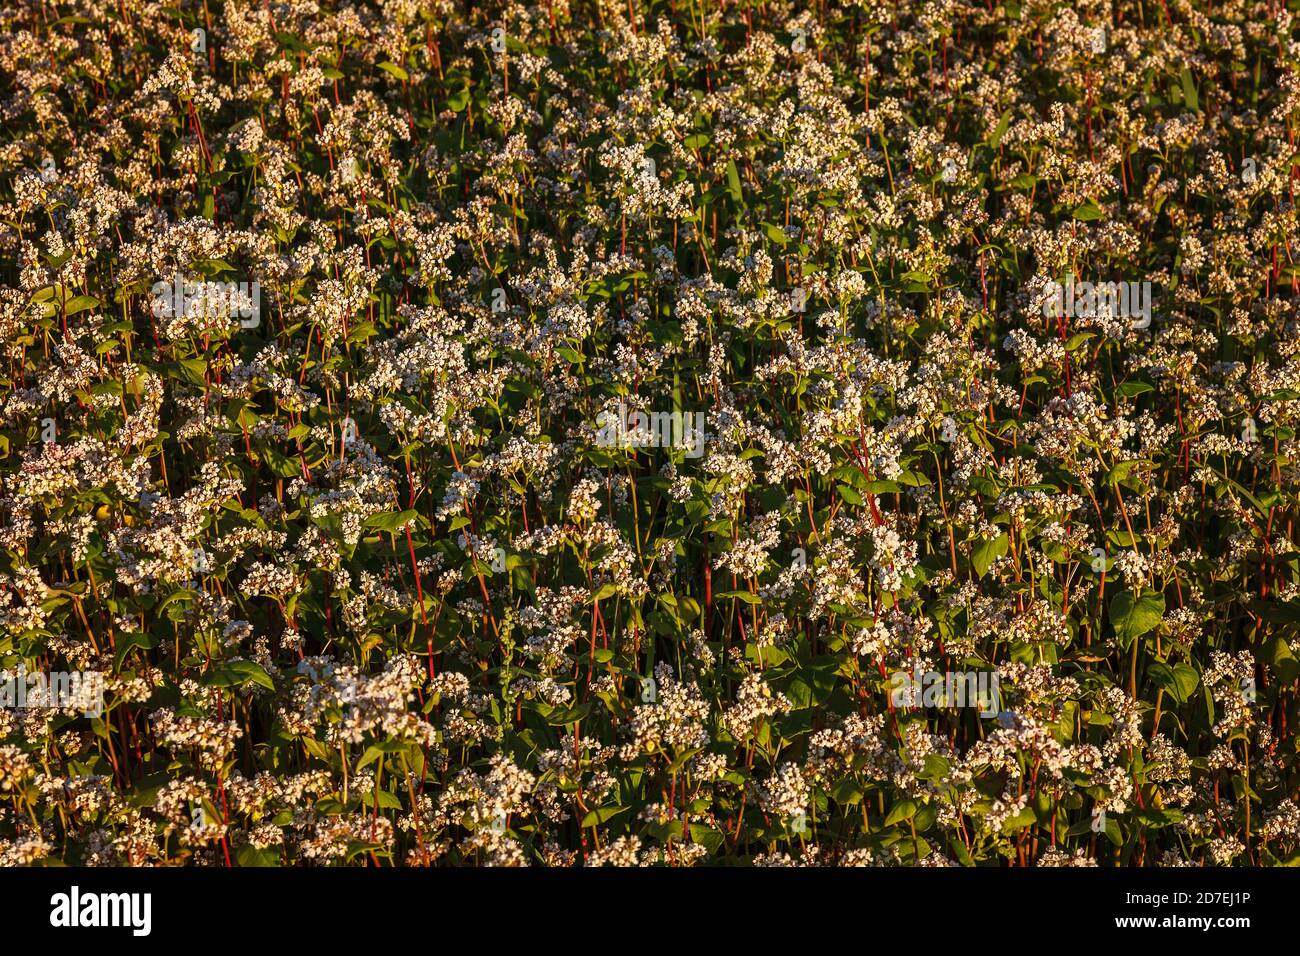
[(649, 433)]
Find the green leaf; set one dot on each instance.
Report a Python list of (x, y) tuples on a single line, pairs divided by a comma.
[(389, 67), (708, 837), (1276, 612), (984, 553), (745, 596), (1157, 818), (847, 792), (902, 810), (391, 521), (251, 670), (1133, 614), (1000, 130), (458, 100), (602, 815), (249, 855), (1129, 389), (80, 304), (849, 494), (192, 370), (126, 642), (1190, 98), (1025, 817), (733, 181), (1279, 656), (562, 718), (1179, 681), (1087, 212)]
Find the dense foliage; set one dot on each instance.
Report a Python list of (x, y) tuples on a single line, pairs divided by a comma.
[(370, 582)]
